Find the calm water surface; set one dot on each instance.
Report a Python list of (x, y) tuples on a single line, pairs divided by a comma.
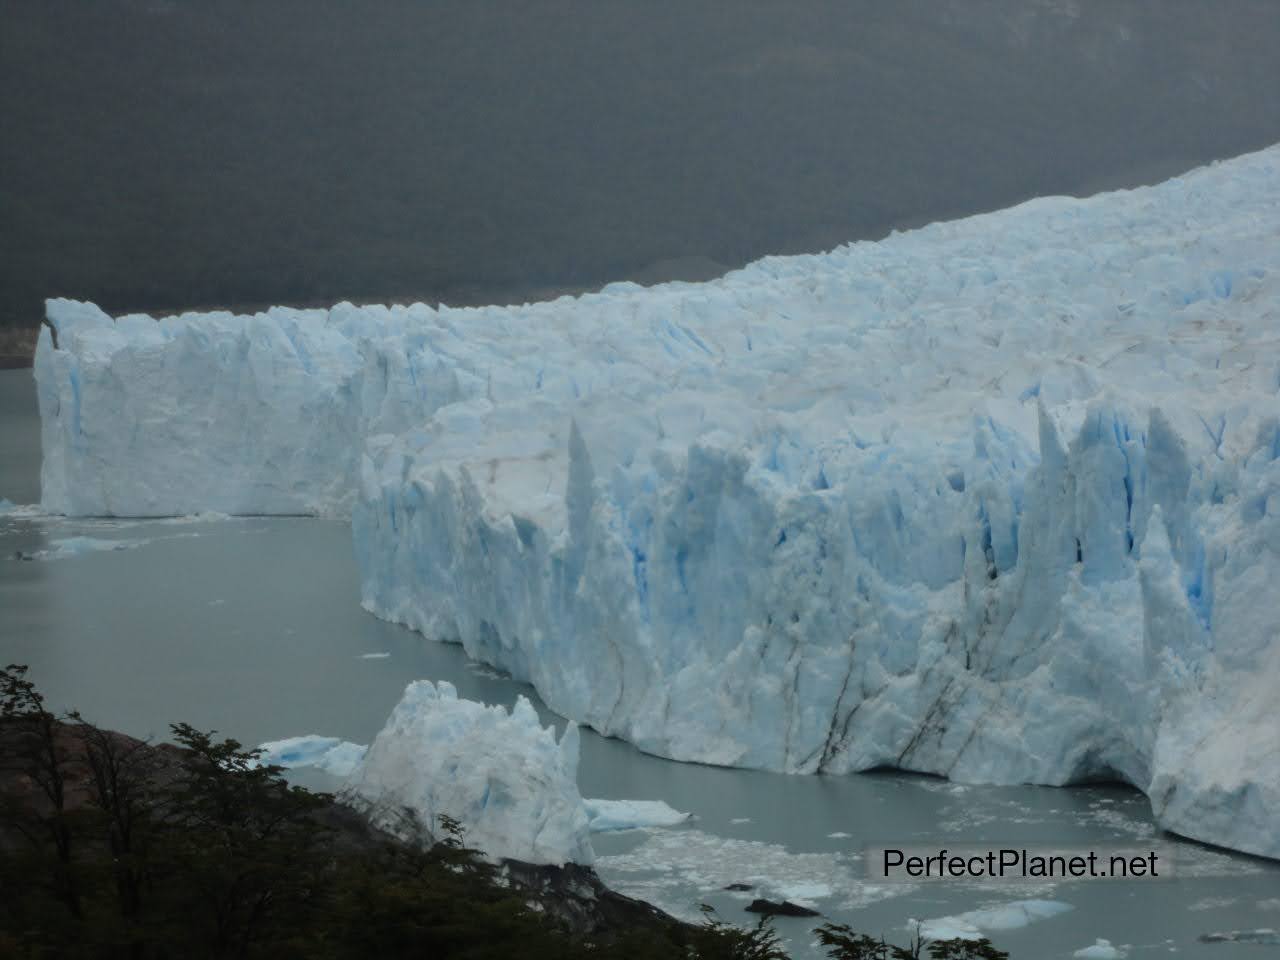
[(254, 627)]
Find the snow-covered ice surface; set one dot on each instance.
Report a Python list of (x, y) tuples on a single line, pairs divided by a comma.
[(997, 499), (502, 775)]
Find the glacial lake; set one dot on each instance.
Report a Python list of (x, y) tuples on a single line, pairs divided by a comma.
[(254, 627)]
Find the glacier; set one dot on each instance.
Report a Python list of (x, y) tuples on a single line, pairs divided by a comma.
[(996, 499)]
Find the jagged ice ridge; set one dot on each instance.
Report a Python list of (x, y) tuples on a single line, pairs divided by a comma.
[(502, 775)]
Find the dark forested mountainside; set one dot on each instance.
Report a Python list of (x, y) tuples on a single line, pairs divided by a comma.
[(161, 154)]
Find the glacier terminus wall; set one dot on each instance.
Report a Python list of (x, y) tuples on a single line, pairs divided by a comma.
[(997, 499)]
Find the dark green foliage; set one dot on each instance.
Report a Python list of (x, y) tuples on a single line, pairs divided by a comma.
[(250, 855), (32, 751), (965, 950), (842, 943), (436, 902), (110, 847), (717, 940)]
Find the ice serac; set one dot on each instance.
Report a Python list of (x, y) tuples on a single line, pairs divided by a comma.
[(502, 775), (997, 499)]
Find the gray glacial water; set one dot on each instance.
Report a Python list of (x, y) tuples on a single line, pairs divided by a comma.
[(254, 627)]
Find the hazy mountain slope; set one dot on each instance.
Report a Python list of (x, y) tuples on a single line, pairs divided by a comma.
[(167, 154)]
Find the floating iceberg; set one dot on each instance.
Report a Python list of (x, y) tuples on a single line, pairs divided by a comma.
[(1263, 935), (1005, 916), (437, 753), (610, 815), (21, 511), (63, 547), (502, 775), (1101, 949), (997, 499), (338, 757)]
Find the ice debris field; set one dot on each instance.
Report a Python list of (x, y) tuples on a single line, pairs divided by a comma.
[(997, 499)]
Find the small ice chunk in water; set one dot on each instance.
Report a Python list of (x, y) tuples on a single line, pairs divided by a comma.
[(338, 757), (65, 547), (1004, 916), (804, 893), (605, 815), (1101, 950)]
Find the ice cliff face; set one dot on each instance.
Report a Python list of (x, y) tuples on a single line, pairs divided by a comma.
[(502, 775), (240, 415), (997, 499)]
